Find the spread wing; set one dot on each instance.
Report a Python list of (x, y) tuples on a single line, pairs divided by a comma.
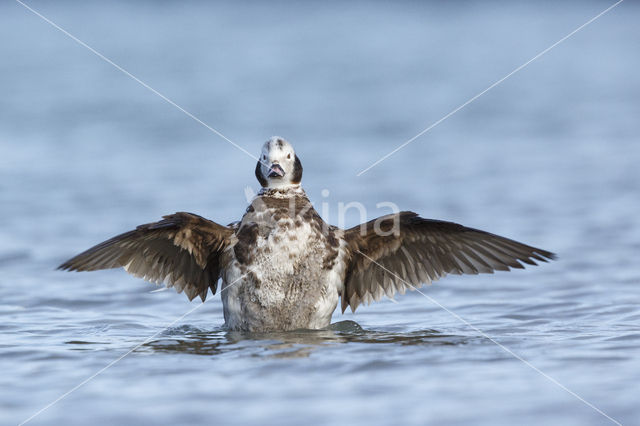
[(382, 262), (182, 250)]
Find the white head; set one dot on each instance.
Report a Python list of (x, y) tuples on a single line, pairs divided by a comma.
[(278, 165)]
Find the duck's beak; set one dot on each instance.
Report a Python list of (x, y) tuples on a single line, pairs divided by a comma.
[(276, 171)]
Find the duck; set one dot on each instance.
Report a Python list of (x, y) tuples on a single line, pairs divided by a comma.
[(282, 267)]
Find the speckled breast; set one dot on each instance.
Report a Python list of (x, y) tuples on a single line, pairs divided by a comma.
[(283, 264)]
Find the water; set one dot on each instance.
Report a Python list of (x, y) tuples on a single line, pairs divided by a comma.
[(549, 157)]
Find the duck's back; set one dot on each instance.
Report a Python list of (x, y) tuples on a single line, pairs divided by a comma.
[(284, 269)]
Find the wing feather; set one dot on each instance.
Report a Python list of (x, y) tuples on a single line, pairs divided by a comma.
[(183, 250), (381, 262)]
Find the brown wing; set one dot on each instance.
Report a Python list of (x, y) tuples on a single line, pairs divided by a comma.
[(421, 250), (182, 250)]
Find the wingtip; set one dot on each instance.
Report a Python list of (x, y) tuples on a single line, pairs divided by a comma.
[(547, 255), (70, 266), (63, 267)]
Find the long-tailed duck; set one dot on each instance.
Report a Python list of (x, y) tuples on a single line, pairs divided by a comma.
[(284, 268)]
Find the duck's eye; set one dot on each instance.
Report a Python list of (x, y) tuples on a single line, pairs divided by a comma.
[(288, 156), (264, 157)]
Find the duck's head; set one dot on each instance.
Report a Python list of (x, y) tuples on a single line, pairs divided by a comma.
[(278, 165)]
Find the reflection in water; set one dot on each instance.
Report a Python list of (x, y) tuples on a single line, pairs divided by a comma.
[(290, 344)]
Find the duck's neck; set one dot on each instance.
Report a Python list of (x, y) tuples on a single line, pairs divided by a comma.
[(283, 192)]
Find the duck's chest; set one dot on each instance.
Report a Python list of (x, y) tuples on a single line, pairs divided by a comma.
[(277, 243), (283, 272)]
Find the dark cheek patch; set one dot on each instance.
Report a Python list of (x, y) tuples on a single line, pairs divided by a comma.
[(261, 179), (297, 171)]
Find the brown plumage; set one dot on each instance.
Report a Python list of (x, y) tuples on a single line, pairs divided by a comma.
[(383, 262), (282, 267), (183, 250)]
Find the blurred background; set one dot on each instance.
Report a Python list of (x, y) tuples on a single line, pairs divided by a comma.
[(549, 157)]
